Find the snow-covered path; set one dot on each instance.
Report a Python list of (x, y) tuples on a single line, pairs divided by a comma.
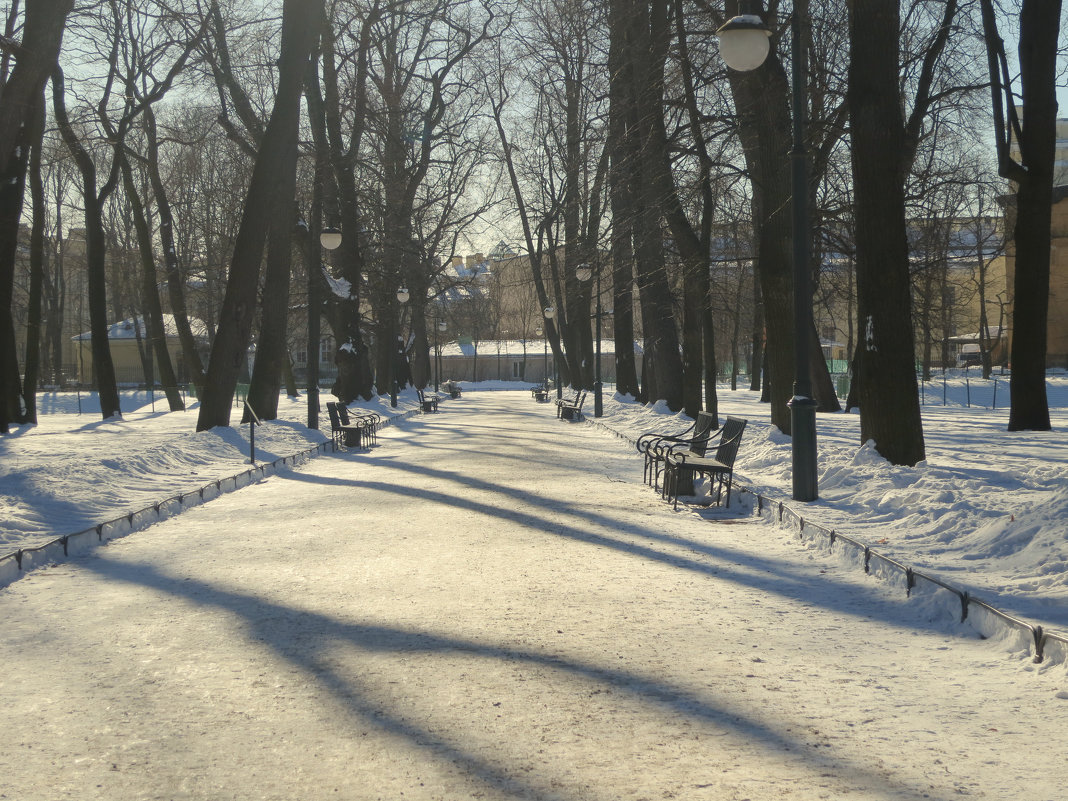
[(491, 605)]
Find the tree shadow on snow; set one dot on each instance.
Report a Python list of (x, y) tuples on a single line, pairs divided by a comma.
[(313, 656)]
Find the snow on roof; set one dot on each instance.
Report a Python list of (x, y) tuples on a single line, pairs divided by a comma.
[(515, 348), (125, 329)]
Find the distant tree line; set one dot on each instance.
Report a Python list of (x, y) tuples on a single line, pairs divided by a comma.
[(203, 146)]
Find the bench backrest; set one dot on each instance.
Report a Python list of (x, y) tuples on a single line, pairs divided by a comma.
[(729, 439), (703, 429), (581, 400), (343, 413), (335, 417)]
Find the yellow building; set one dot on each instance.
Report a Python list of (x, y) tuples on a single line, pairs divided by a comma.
[(1057, 325), (127, 339)]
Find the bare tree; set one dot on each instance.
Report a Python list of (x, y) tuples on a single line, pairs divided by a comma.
[(266, 192), (21, 88), (1032, 174)]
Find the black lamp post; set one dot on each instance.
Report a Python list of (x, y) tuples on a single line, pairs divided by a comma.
[(544, 355), (438, 330), (744, 45), (584, 273), (402, 298), (330, 239), (550, 315)]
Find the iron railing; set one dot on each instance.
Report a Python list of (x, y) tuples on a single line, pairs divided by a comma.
[(1041, 640)]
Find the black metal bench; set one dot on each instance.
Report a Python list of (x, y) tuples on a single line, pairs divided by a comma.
[(452, 388), (540, 393), (655, 446), (357, 431), (369, 420), (681, 467), (571, 409), (428, 403)]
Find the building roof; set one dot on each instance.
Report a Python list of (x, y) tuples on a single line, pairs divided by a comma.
[(124, 329), (513, 348)]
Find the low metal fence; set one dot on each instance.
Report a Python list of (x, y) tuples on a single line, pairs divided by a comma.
[(14, 565), (1041, 641)]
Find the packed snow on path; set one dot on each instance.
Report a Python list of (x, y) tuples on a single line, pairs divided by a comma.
[(987, 510), (490, 604)]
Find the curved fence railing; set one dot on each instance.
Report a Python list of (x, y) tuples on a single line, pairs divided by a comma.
[(1041, 642), (15, 564)]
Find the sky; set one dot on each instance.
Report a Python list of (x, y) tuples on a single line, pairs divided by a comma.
[(490, 603)]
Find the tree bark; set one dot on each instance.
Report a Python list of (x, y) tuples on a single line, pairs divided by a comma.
[(299, 28), (95, 254), (175, 283), (12, 191), (37, 267), (272, 351), (354, 375), (645, 35), (761, 98), (1033, 176), (35, 57), (886, 374), (152, 307)]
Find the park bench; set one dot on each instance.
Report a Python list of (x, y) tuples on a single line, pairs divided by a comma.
[(683, 467), (352, 431), (571, 409), (452, 388), (428, 403), (540, 393), (342, 433), (369, 420), (655, 446)]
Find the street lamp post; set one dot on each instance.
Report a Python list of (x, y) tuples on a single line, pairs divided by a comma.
[(744, 45), (544, 355), (402, 298), (330, 239), (438, 330), (584, 273), (550, 315)]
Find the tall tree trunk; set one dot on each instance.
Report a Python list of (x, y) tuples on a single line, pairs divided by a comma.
[(299, 28), (12, 191), (647, 36), (761, 98), (756, 337), (272, 351), (37, 267), (355, 378), (95, 255), (152, 307), (175, 283), (35, 57), (886, 371), (1033, 176)]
